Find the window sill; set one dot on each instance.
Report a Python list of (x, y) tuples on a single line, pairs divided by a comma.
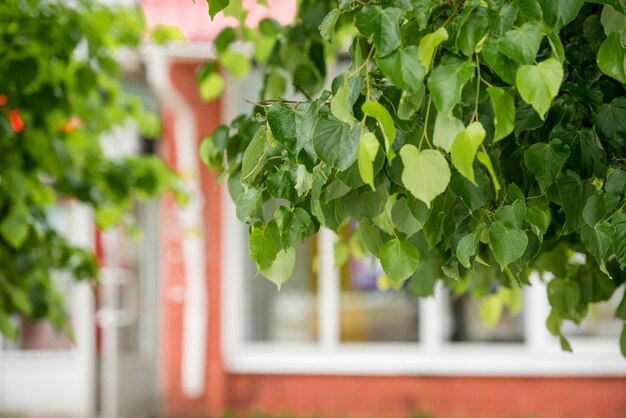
[(459, 359)]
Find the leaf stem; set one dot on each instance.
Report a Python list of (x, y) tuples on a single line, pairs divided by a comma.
[(367, 73), (475, 115), (425, 130)]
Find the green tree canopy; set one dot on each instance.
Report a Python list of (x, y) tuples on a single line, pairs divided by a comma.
[(467, 141), (59, 92)]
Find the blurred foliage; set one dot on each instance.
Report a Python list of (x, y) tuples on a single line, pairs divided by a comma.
[(60, 91)]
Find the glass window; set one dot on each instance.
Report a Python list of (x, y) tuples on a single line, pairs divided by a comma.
[(370, 310), (463, 323), (289, 314)]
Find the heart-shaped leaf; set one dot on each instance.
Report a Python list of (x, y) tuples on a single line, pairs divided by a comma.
[(426, 174), (399, 260), (507, 244)]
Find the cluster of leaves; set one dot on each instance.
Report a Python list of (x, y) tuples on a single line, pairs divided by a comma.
[(60, 91), (470, 142)]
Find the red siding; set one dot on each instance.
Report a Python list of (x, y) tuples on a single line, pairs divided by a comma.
[(340, 396)]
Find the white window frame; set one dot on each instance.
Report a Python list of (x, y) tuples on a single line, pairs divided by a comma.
[(539, 355)]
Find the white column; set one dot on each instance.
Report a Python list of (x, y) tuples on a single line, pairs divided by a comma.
[(328, 295), (430, 319)]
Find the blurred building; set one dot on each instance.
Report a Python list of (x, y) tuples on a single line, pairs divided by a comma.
[(184, 327)]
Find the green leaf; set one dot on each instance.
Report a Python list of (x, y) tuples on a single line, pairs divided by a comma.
[(587, 154), (504, 109), (399, 260), (294, 225), (522, 44), (554, 322), (368, 148), (537, 217), (281, 118), (467, 246), (545, 161), (511, 216), (539, 84), (428, 44), (616, 182), (485, 160), (281, 184), (216, 6), (507, 244), (565, 345), (619, 238), (371, 236), (610, 123), (446, 84), (377, 111), (162, 33), (14, 227), (340, 105), (472, 32), (7, 329), (327, 27), (612, 20), (558, 49), (529, 10), (403, 69), (247, 204), (403, 218), (572, 193), (464, 149), (426, 174), (211, 86), (224, 39), (382, 26), (559, 13), (490, 310), (335, 142), (306, 118), (410, 103), (611, 57), (473, 196), (280, 271), (563, 294), (599, 205), (262, 246), (603, 233), (235, 63), (445, 131), (253, 154), (615, 4), (503, 66)]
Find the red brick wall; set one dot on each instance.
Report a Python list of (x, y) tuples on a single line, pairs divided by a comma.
[(337, 396), (341, 396)]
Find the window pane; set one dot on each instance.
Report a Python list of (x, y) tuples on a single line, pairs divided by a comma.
[(286, 315), (462, 323), (600, 321), (370, 314)]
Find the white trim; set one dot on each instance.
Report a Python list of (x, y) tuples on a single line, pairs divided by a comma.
[(457, 360), (195, 309), (328, 299)]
